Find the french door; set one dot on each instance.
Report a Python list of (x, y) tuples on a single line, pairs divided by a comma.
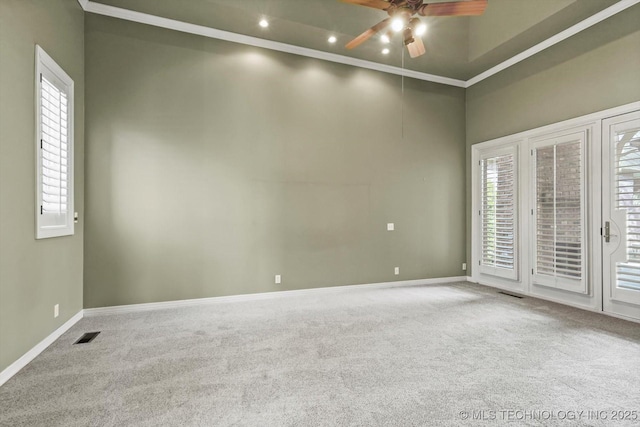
[(621, 214), (557, 212)]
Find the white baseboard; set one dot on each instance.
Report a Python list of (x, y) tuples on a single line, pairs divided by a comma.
[(526, 293), (133, 308), (15, 367)]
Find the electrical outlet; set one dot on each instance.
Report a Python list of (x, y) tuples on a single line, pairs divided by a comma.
[(396, 271), (56, 310), (391, 226), (278, 278), (464, 266)]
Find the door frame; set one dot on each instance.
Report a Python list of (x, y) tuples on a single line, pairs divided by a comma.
[(612, 303), (593, 299)]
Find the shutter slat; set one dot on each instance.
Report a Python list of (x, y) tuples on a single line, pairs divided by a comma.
[(54, 151), (559, 210), (498, 211)]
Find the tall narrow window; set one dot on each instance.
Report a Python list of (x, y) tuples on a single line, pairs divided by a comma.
[(54, 148), (627, 202), (559, 211), (498, 214)]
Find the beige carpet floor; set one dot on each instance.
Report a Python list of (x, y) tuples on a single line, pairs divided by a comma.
[(454, 354)]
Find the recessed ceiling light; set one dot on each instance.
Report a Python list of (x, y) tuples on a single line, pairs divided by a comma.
[(397, 24), (263, 23), (384, 39), (421, 29), (385, 51), (332, 39)]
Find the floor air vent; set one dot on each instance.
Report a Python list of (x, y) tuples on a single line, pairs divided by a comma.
[(87, 338), (510, 295)]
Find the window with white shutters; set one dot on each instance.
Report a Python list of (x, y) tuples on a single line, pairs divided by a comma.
[(559, 212), (627, 201), (54, 148), (498, 213)]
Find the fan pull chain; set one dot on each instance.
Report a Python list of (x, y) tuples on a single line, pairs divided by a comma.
[(402, 99)]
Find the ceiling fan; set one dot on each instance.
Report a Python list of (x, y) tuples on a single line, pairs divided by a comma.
[(401, 18)]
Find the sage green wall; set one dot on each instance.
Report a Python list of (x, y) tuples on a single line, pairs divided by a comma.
[(506, 19), (35, 275), (596, 69), (213, 166)]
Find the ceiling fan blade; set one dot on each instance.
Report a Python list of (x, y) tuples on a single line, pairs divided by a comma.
[(416, 48), (368, 34), (454, 8), (377, 4)]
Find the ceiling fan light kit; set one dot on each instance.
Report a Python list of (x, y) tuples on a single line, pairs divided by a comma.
[(398, 23), (401, 19), (408, 37)]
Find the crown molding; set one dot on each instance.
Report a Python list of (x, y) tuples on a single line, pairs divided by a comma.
[(185, 27), (553, 40)]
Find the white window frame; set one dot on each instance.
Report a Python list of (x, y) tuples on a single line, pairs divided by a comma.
[(526, 285), (47, 67), (567, 284), (496, 271)]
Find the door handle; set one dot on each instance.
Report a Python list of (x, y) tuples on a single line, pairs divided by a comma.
[(607, 232)]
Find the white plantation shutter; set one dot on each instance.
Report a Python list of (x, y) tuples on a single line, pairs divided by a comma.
[(54, 144), (498, 213), (559, 209), (54, 172), (627, 200)]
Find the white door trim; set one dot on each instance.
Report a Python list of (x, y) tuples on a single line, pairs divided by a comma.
[(615, 300), (593, 299)]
